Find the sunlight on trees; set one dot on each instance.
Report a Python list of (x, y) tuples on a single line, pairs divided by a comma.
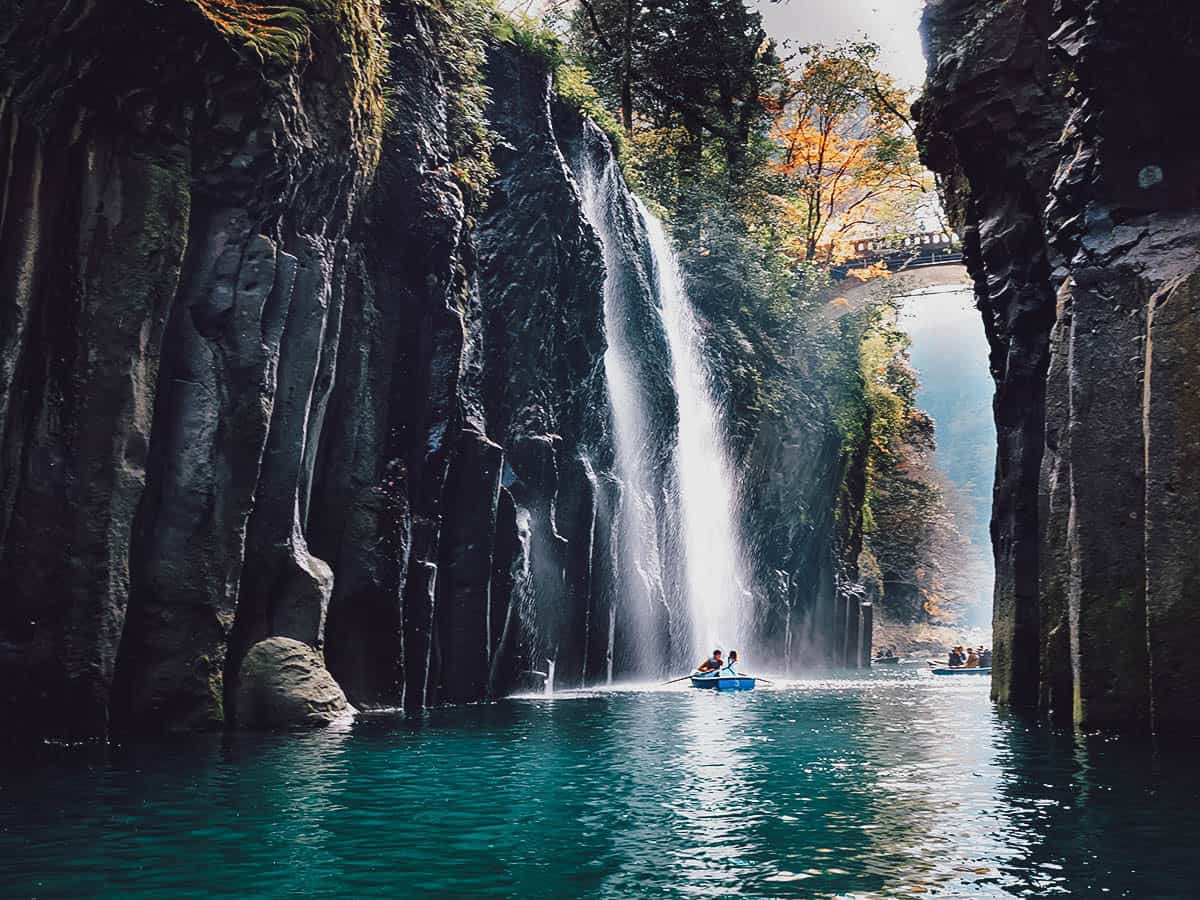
[(846, 152)]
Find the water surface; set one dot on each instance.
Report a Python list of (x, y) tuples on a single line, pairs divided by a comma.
[(889, 784)]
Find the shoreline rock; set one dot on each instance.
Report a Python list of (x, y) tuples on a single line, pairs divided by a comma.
[(283, 683)]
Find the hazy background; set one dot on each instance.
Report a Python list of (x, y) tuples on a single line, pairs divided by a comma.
[(950, 352), (890, 23)]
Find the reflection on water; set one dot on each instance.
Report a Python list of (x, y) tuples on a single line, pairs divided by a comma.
[(886, 785)]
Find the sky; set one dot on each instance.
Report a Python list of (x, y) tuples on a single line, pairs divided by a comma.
[(890, 23)]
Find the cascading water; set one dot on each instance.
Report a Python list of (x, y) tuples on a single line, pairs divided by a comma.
[(708, 495), (641, 581), (681, 558)]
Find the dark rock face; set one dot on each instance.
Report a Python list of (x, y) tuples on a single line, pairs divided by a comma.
[(541, 385), (809, 612), (395, 417), (1063, 133), (283, 683), (275, 395), (990, 120), (171, 306)]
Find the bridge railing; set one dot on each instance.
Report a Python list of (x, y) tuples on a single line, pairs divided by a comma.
[(909, 251), (926, 240)]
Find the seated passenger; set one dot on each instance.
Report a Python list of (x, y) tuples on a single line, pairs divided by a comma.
[(956, 658), (712, 664), (732, 664), (972, 659), (985, 659)]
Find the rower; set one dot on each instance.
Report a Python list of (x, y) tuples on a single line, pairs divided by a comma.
[(712, 664)]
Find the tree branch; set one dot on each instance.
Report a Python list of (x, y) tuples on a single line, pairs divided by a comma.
[(591, 11)]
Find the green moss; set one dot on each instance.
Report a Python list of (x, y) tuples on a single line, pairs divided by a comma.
[(573, 86), (365, 62), (572, 80)]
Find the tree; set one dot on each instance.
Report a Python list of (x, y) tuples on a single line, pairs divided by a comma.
[(847, 155), (703, 65)]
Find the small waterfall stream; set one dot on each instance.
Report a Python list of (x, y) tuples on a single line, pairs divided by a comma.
[(641, 583), (680, 538)]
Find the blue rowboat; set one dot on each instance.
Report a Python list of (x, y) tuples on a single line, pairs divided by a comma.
[(963, 671), (724, 682)]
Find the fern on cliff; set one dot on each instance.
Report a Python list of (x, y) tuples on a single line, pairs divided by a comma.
[(466, 31), (276, 31)]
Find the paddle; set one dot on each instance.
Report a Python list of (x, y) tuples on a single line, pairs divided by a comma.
[(675, 680)]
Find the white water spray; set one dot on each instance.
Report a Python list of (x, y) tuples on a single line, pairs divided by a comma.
[(708, 494), (641, 580)]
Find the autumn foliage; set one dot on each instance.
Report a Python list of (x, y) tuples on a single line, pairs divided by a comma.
[(846, 155)]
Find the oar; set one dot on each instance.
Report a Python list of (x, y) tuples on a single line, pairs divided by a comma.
[(757, 678), (676, 680)]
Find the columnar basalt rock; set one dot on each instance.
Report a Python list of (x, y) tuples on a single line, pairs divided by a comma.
[(246, 361), (1063, 133), (989, 120), (160, 261), (395, 419)]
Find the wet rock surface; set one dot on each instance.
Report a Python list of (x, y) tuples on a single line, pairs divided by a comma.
[(165, 285), (1064, 136)]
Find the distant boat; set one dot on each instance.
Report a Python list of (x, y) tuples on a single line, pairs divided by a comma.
[(962, 670), (885, 660), (724, 682)]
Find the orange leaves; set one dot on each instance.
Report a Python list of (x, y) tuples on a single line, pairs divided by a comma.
[(846, 158), (867, 273)]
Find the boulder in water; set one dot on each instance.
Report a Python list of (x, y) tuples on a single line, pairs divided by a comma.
[(283, 683)]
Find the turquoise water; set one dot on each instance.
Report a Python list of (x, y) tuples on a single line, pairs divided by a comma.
[(884, 785)]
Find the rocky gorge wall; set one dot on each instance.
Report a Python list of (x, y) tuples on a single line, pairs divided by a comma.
[(274, 387), (1065, 135)]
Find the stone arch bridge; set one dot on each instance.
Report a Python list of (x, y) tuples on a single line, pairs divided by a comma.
[(904, 252)]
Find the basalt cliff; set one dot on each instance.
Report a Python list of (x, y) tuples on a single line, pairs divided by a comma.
[(286, 406), (1064, 133)]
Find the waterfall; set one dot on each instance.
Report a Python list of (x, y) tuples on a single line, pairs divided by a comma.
[(711, 535), (680, 578)]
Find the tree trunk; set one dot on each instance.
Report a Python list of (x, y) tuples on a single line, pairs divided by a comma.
[(627, 70)]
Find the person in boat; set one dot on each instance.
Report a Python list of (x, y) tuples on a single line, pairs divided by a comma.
[(972, 658), (713, 664), (985, 658), (732, 664), (956, 658), (890, 654)]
